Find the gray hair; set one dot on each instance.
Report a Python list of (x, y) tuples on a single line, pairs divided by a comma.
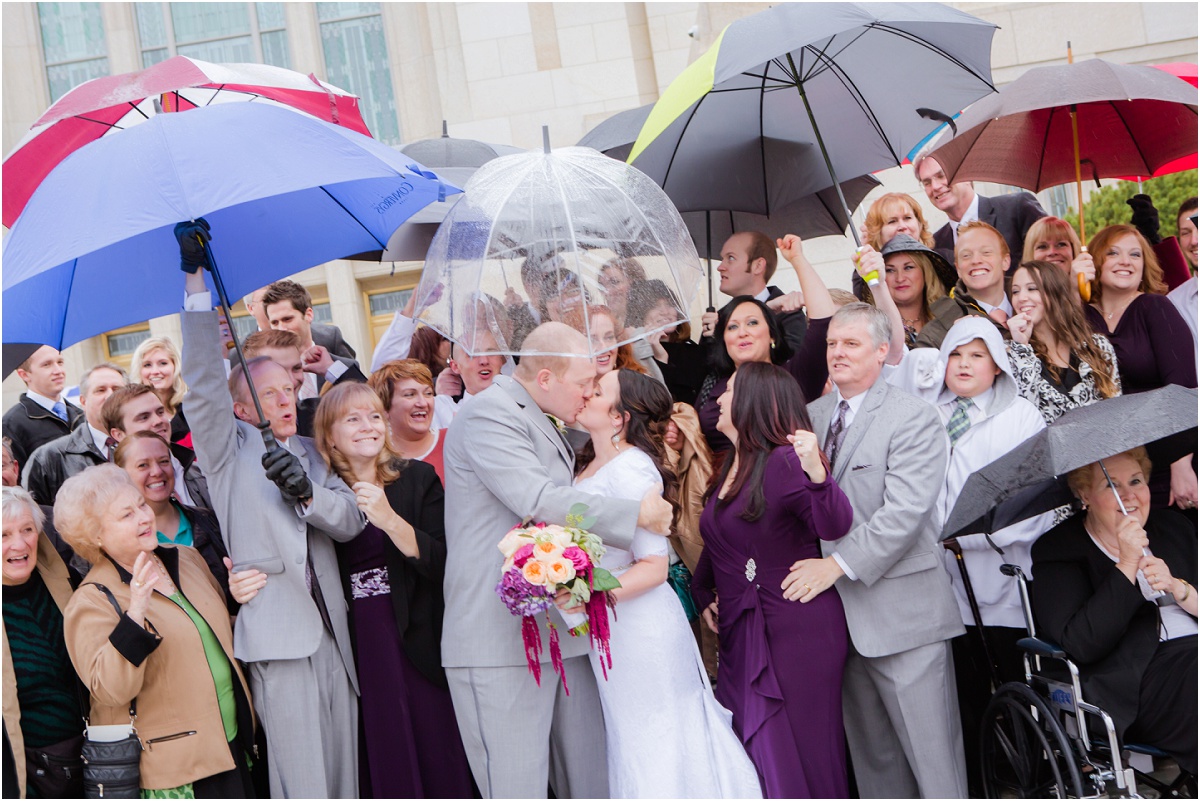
[(16, 497), (82, 500), (877, 323), (85, 382)]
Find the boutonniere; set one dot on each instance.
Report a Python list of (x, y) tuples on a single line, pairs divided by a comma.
[(559, 424), (930, 375)]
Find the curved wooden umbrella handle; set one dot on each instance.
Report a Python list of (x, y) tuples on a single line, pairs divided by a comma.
[(1085, 287)]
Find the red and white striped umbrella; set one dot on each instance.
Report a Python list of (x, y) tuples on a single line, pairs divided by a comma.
[(103, 106)]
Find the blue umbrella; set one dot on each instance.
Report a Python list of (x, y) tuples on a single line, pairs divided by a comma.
[(95, 247)]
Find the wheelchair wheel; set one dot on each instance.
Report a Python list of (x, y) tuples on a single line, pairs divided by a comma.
[(1024, 756)]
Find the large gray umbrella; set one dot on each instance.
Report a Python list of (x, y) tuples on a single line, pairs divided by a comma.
[(449, 156), (1031, 478), (874, 78)]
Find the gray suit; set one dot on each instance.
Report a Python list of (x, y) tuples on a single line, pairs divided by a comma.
[(901, 711), (302, 674), (506, 462)]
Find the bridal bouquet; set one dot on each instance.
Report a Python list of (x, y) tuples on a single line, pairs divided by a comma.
[(541, 559)]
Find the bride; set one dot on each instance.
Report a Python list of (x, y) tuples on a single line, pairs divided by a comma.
[(667, 736)]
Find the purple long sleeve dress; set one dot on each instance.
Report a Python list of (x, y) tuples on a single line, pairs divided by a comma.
[(781, 661)]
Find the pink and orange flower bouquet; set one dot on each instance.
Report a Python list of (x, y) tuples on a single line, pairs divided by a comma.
[(541, 559)]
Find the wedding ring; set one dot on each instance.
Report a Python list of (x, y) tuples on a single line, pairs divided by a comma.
[(137, 583), (808, 588)]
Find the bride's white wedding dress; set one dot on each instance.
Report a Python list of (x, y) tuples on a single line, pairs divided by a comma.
[(667, 736)]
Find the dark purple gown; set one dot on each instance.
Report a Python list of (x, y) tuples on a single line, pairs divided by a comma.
[(781, 661), (411, 745)]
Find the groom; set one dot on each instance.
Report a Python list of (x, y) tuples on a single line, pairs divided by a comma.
[(506, 461)]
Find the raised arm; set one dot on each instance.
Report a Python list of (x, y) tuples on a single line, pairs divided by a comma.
[(817, 299), (209, 405), (869, 261)]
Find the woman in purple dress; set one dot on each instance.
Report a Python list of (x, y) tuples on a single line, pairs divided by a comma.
[(410, 746), (1152, 341), (781, 660)]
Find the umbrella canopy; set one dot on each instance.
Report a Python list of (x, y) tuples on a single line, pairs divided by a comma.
[(545, 236), (455, 160), (95, 248), (614, 137), (753, 107), (1186, 72), (1132, 120), (1031, 478), (818, 214), (103, 106)]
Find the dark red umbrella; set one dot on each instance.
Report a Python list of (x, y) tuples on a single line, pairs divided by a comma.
[(1187, 72), (107, 105), (1132, 121)]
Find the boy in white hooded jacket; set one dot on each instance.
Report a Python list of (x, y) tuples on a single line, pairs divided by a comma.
[(969, 380)]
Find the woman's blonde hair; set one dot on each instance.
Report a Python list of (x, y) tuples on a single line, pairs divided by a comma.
[(877, 216), (333, 407), (1080, 479), (144, 349), (82, 501), (1048, 229), (1152, 274)]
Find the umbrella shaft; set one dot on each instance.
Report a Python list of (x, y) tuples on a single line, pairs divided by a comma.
[(263, 426), (837, 187)]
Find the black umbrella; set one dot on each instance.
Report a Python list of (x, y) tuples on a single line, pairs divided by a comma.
[(790, 98), (820, 213), (1031, 478)]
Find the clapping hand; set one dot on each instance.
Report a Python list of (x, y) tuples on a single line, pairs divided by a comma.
[(373, 502), (244, 584), (141, 586), (809, 454), (1021, 328), (317, 360)]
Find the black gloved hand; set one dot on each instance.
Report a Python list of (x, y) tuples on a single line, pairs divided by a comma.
[(1145, 217), (284, 468), (192, 254)]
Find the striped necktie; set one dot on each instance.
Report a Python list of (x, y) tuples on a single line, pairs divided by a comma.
[(959, 421), (837, 432)]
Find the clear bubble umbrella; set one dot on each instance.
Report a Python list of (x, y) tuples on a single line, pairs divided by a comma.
[(568, 235)]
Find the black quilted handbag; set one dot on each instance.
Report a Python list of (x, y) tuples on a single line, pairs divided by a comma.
[(112, 769)]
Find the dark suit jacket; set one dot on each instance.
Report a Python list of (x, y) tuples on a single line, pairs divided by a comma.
[(1083, 603), (30, 426), (56, 461), (330, 338), (1011, 215), (417, 600)]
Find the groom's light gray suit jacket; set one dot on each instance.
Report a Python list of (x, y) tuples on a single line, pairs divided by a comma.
[(505, 462)]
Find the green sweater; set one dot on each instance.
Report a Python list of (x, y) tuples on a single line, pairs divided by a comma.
[(46, 682)]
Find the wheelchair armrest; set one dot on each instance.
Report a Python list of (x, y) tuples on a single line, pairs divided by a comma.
[(1041, 648)]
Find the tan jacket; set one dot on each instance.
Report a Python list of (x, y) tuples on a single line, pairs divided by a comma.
[(694, 468), (161, 664), (54, 573)]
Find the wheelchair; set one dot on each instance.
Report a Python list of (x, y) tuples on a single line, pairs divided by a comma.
[(1041, 739)]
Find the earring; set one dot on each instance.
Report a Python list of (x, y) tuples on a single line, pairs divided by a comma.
[(772, 346)]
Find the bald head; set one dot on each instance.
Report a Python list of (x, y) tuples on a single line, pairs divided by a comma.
[(542, 348)]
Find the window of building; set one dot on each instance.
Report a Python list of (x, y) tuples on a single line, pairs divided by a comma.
[(356, 59), (120, 344), (229, 32), (73, 45), (382, 307)]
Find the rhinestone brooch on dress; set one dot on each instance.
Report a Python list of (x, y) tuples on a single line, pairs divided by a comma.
[(751, 570)]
